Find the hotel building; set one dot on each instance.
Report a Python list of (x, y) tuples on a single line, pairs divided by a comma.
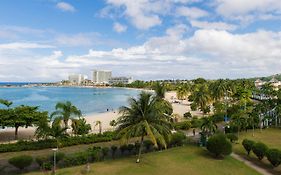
[(76, 79), (101, 76)]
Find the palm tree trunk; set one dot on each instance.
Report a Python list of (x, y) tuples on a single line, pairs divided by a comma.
[(139, 154)]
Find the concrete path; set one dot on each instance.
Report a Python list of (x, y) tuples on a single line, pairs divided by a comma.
[(250, 164)]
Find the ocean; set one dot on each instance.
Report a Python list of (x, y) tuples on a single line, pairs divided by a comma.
[(88, 100)]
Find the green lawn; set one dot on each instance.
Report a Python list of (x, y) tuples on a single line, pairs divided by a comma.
[(271, 137), (177, 161)]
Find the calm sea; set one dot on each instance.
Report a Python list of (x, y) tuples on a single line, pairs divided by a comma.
[(88, 100)]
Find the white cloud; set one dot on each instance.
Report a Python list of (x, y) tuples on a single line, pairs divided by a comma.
[(80, 39), (208, 53), (213, 25), (119, 27), (143, 14), (24, 45), (191, 12), (65, 7), (250, 10)]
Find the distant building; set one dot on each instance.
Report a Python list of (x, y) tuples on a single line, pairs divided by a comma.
[(76, 79), (259, 83), (101, 77), (276, 84), (123, 80), (87, 82)]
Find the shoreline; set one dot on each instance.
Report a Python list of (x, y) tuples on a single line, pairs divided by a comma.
[(105, 117)]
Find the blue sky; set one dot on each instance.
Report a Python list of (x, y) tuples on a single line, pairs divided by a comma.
[(46, 40)]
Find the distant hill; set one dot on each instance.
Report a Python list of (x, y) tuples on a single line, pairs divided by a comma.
[(268, 78)]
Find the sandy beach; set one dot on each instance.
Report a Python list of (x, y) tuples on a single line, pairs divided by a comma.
[(181, 107)]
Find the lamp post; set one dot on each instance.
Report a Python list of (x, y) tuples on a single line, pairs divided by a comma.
[(54, 168)]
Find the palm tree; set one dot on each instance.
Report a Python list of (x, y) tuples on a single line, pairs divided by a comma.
[(6, 103), (253, 120), (218, 89), (160, 90), (239, 120), (208, 125), (65, 111), (201, 97), (57, 131), (98, 123), (182, 92), (42, 130), (143, 118), (113, 123)]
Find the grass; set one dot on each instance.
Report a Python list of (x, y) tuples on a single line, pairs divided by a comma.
[(177, 161), (271, 137)]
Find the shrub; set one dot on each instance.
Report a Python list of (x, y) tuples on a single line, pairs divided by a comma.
[(274, 157), (147, 144), (187, 115), (113, 150), (40, 160), (123, 148), (259, 150), (232, 137), (219, 145), (248, 145), (177, 139), (59, 157), (21, 162), (95, 153), (76, 159), (105, 151), (185, 125), (196, 123), (218, 118), (47, 166), (130, 147)]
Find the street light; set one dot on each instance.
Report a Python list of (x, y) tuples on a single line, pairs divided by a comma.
[(54, 168)]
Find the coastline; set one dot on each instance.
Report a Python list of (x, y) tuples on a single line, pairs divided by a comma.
[(179, 109)]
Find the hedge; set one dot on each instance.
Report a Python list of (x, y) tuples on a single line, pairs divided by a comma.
[(51, 143)]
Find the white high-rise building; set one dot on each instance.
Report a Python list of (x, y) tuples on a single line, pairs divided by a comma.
[(76, 78), (101, 76)]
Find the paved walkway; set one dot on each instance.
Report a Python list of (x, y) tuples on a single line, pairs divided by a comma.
[(250, 164)]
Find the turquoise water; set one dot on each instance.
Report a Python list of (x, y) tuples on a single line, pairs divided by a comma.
[(88, 100)]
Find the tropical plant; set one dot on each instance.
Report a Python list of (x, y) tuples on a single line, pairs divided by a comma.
[(112, 123), (80, 126), (144, 117), (23, 116), (201, 97), (208, 126), (65, 111), (6, 103), (160, 90), (239, 120), (98, 123), (57, 131)]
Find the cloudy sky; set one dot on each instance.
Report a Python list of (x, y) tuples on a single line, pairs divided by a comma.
[(45, 40)]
